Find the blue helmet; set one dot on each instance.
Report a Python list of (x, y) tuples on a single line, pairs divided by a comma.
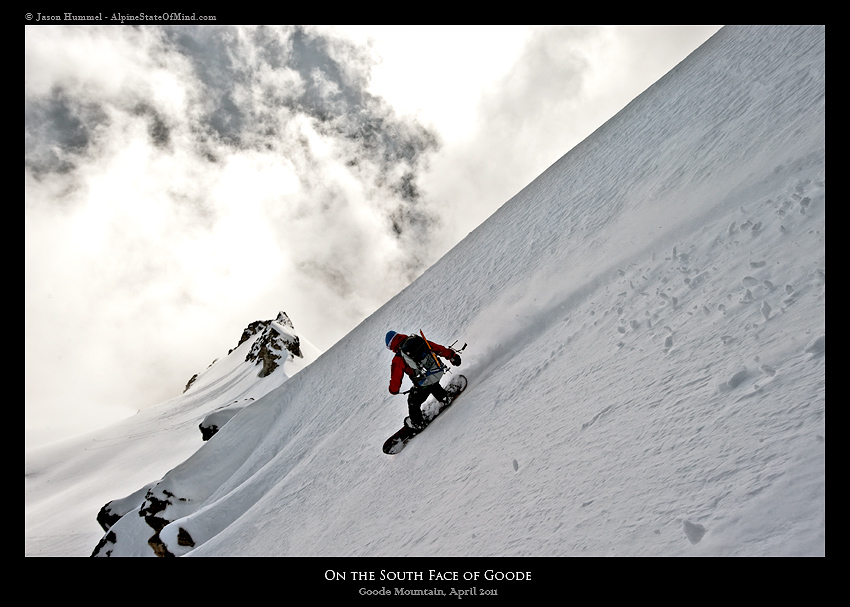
[(389, 338)]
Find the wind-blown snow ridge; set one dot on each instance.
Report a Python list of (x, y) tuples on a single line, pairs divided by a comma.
[(646, 330)]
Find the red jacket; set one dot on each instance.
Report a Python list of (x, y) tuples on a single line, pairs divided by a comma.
[(398, 367)]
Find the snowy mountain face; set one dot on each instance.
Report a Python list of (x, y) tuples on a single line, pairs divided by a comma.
[(65, 482), (646, 359), (268, 350)]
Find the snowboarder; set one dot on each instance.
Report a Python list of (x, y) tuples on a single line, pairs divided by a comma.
[(418, 359)]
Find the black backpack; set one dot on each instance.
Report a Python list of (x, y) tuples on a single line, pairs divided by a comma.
[(416, 353)]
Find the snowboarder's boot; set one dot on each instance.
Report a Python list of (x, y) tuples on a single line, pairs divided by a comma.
[(413, 425)]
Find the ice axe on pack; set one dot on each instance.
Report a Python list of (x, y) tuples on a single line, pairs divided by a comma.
[(452, 347)]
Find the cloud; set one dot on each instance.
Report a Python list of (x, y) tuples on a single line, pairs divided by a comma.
[(220, 174)]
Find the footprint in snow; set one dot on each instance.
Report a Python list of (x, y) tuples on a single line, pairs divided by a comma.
[(735, 378), (789, 290), (693, 531), (817, 345)]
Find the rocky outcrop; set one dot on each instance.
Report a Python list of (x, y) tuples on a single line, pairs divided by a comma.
[(160, 549), (150, 510), (215, 420), (104, 546), (153, 506), (184, 539), (191, 381), (112, 511), (276, 338), (157, 545), (107, 517)]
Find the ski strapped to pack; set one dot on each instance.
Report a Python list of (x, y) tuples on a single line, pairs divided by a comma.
[(433, 354)]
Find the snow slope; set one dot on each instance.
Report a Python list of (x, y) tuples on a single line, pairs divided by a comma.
[(646, 330), (68, 483)]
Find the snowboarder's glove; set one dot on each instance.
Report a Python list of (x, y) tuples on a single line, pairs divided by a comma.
[(455, 360)]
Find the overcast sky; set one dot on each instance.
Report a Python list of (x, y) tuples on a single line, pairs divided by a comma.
[(182, 182)]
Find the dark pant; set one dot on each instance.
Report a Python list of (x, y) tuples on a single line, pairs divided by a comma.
[(418, 395)]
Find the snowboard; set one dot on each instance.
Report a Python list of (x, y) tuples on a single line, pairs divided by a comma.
[(399, 440)]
